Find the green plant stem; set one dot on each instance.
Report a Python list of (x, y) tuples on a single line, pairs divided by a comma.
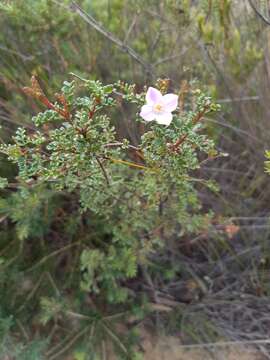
[(54, 253), (70, 343)]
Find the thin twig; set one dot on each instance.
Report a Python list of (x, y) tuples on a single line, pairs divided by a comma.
[(32, 293), (260, 15), (24, 332), (70, 343), (51, 255), (116, 144), (172, 57), (131, 164), (122, 46), (175, 146), (22, 56), (239, 99), (133, 23), (226, 343), (103, 171), (114, 337)]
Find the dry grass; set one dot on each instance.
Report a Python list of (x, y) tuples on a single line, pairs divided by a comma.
[(169, 348)]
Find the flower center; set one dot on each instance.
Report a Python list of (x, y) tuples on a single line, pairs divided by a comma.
[(158, 108)]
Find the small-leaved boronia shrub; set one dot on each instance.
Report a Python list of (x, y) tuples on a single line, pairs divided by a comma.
[(91, 209)]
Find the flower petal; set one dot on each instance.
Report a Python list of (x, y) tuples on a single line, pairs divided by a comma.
[(170, 101), (153, 96), (164, 118), (147, 113)]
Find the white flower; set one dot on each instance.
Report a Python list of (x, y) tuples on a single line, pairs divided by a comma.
[(159, 107)]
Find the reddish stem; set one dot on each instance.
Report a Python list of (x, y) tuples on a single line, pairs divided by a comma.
[(175, 146)]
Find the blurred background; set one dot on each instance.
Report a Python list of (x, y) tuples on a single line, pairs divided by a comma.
[(222, 46)]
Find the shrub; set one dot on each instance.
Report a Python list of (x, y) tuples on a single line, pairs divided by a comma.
[(112, 203)]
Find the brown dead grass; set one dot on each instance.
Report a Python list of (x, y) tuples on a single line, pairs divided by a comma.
[(169, 348)]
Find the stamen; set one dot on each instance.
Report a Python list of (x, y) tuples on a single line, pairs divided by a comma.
[(158, 108)]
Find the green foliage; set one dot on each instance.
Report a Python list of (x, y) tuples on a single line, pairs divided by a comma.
[(3, 183), (29, 209), (118, 202), (11, 347), (239, 52), (80, 153)]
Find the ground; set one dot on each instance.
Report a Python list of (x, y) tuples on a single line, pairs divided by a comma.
[(169, 348)]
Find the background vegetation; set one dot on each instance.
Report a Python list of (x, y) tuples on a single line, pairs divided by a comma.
[(207, 284)]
